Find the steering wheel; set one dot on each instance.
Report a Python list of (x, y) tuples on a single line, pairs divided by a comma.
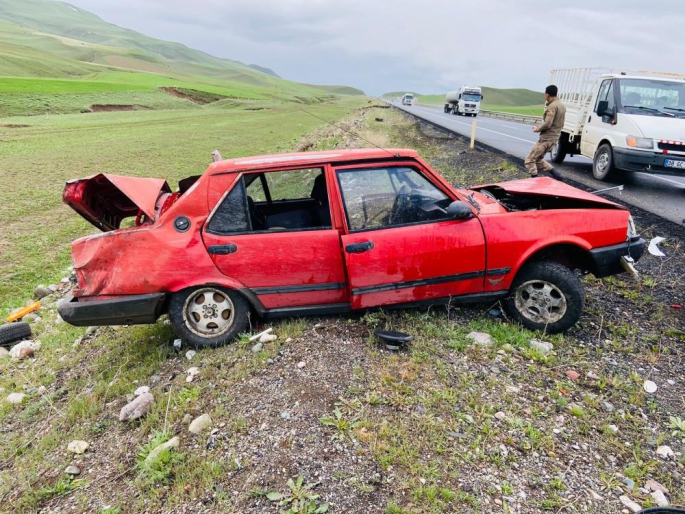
[(400, 206)]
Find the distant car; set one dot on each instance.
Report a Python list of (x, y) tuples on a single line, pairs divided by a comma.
[(321, 233)]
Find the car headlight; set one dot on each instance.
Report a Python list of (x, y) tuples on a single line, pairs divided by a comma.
[(631, 229), (640, 142)]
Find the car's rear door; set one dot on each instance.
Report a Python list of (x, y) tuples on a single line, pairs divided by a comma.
[(294, 264), (400, 246)]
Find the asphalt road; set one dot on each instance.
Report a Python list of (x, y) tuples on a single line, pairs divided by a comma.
[(661, 195)]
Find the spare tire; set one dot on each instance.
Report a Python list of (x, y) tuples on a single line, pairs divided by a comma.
[(11, 332)]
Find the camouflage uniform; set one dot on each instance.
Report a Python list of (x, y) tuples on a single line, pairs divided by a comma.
[(552, 123)]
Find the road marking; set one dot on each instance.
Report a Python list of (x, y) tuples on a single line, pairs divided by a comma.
[(681, 184), (484, 129)]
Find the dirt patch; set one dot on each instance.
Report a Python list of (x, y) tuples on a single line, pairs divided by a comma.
[(195, 96), (14, 126), (113, 107)]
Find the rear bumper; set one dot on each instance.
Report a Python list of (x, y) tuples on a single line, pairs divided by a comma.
[(607, 259), (127, 310), (647, 162)]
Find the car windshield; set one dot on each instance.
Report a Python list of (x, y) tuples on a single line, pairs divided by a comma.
[(409, 97), (469, 97), (653, 97)]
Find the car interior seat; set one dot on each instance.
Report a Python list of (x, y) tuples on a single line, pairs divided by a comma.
[(320, 194)]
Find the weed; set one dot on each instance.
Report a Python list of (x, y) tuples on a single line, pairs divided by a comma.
[(300, 499), (341, 425)]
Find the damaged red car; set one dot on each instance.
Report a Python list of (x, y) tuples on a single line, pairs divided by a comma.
[(321, 233)]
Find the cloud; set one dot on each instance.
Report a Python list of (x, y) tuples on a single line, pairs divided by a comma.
[(427, 46)]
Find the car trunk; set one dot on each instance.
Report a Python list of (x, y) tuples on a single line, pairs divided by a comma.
[(105, 200)]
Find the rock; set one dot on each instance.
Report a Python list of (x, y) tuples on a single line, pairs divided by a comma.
[(154, 454), (190, 354), (26, 353), (141, 390), (513, 390), (495, 313), (629, 483), (659, 498), (177, 343), (53, 288), (595, 496), (269, 361), (154, 379), (634, 507), (613, 428), (285, 415), (31, 317), (41, 292), (653, 485), (72, 470), (4, 353), (137, 408), (665, 452), (301, 364), (591, 375), (267, 338), (480, 338), (650, 386), (15, 398), (508, 348), (257, 348), (572, 374), (90, 331), (187, 418), (607, 406), (289, 340), (200, 424), (192, 373), (541, 346), (500, 415), (671, 382), (17, 348), (78, 447)]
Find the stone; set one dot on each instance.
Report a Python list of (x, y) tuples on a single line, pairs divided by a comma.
[(595, 496), (26, 353), (629, 483), (141, 390), (31, 317), (613, 428), (513, 389), (155, 379), (591, 375), (285, 415), (190, 354), (671, 382), (192, 373), (72, 470), (541, 346), (17, 348), (187, 418), (270, 361), (137, 408), (78, 447), (90, 331), (15, 398), (4, 353), (41, 292), (53, 288), (200, 424), (653, 485), (301, 364), (572, 374), (267, 338), (665, 452), (659, 498), (508, 348), (257, 348), (500, 415), (607, 406), (650, 386), (632, 506), (154, 454), (177, 343), (480, 338)]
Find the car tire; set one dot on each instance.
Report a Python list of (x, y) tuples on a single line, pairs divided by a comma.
[(208, 316), (558, 152), (603, 163), (12, 332), (546, 296)]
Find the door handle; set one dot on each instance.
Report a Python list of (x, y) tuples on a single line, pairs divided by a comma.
[(223, 249), (359, 247), (589, 119)]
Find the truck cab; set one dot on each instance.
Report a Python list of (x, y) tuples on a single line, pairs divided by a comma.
[(465, 101), (408, 99)]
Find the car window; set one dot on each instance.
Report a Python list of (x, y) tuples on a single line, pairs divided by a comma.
[(283, 185), (386, 197), (232, 214), (606, 92)]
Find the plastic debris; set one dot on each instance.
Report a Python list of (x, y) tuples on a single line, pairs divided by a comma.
[(257, 336), (20, 313), (653, 247), (650, 386), (393, 340)]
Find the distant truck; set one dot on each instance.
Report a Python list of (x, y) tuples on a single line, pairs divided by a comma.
[(408, 99), (466, 100), (628, 121)]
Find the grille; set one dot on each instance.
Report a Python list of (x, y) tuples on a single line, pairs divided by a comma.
[(671, 146)]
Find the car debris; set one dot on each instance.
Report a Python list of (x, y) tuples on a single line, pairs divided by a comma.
[(393, 340), (320, 233), (653, 247), (20, 313), (650, 386)]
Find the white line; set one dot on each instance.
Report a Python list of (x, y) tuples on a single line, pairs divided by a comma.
[(486, 130), (681, 184)]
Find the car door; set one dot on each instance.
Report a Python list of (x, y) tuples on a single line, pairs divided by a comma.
[(294, 260), (597, 126), (399, 245)]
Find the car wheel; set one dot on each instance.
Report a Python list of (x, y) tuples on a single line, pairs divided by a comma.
[(558, 152), (546, 296), (603, 163), (11, 332), (208, 316)]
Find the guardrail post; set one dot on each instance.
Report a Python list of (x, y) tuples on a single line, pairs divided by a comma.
[(473, 134)]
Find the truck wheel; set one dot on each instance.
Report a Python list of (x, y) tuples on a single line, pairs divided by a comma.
[(546, 296), (11, 332), (208, 316), (447, 109), (558, 151), (603, 163)]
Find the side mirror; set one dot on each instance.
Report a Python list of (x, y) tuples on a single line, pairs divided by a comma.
[(458, 210), (481, 98), (603, 108)]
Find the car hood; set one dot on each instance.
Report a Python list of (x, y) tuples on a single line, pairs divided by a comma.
[(105, 199), (544, 186), (659, 127)]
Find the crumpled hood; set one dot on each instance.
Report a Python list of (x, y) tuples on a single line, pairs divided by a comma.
[(105, 199)]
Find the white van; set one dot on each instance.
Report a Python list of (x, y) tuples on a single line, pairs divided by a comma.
[(623, 121), (408, 99)]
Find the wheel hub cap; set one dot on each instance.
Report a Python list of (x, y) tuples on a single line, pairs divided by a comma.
[(540, 301), (208, 312)]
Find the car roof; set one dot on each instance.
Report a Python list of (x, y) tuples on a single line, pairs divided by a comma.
[(308, 159)]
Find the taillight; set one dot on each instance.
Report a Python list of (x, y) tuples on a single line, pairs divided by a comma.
[(74, 192)]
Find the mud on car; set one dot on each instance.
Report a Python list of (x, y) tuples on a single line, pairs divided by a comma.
[(321, 233)]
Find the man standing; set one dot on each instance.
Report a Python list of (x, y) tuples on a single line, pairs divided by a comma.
[(550, 130)]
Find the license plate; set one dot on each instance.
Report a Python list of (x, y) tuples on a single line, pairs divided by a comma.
[(670, 163)]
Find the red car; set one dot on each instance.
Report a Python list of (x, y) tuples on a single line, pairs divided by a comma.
[(332, 232)]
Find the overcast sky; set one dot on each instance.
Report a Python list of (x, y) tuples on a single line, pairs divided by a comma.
[(429, 46)]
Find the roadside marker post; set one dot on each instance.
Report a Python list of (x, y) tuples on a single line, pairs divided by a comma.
[(473, 134)]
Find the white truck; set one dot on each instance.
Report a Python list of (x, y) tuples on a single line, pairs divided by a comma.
[(408, 99), (628, 121), (466, 100)]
